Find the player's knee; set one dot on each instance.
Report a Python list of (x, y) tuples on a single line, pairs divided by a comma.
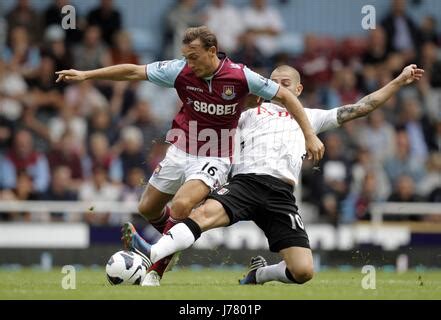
[(181, 208), (147, 210), (199, 215), (144, 208), (302, 274)]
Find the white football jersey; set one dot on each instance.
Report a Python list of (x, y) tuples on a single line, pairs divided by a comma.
[(272, 143)]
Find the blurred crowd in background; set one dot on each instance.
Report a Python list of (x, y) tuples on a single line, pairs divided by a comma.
[(101, 140)]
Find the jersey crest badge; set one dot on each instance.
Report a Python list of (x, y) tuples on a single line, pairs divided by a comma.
[(157, 169), (222, 191), (228, 93)]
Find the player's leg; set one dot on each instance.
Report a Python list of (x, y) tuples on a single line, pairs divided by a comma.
[(286, 234), (188, 196), (299, 264), (153, 207), (181, 236), (233, 202), (163, 185), (202, 174), (296, 267)]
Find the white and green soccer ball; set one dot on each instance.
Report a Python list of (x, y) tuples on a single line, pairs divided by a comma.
[(125, 268)]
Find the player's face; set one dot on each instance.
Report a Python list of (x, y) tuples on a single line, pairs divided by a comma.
[(285, 79), (199, 59)]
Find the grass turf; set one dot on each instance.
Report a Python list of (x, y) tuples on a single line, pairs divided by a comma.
[(186, 284)]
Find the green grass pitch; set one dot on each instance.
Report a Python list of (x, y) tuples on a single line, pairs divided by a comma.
[(209, 284)]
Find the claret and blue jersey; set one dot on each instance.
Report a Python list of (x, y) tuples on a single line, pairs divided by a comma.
[(215, 103)]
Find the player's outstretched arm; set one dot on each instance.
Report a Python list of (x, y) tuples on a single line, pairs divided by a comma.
[(119, 72), (314, 147), (374, 100)]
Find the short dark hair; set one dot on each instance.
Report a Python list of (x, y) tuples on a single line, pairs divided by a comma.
[(203, 33)]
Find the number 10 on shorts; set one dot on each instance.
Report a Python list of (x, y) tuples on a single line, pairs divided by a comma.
[(296, 221)]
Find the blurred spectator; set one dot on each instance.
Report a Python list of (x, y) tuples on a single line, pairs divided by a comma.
[(250, 54), (20, 55), (25, 16), (54, 46), (107, 18), (428, 30), (131, 192), (346, 85), (376, 52), (316, 64), (91, 53), (413, 121), (141, 117), (22, 191), (101, 156), (101, 122), (132, 154), (6, 132), (24, 158), (182, 15), (84, 98), (403, 34), (431, 62), (45, 93), (402, 162), (431, 182), (377, 136), (217, 13), (404, 191), (267, 24), (60, 190), (364, 165), (356, 206), (5, 166), (66, 153), (67, 120), (13, 90), (122, 51), (333, 184), (98, 189)]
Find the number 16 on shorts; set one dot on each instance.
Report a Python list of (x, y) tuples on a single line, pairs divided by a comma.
[(211, 170)]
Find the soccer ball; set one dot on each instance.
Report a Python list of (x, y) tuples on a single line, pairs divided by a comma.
[(125, 267)]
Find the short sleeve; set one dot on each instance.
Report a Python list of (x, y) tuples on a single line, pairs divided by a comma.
[(322, 120), (260, 86), (164, 73)]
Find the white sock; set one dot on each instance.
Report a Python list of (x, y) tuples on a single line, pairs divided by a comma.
[(178, 238), (274, 272)]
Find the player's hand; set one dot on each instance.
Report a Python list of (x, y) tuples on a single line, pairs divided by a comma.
[(410, 74), (70, 75), (314, 148)]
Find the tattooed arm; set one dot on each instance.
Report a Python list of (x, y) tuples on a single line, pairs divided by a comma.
[(374, 100)]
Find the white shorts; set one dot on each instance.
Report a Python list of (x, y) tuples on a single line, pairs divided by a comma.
[(179, 167)]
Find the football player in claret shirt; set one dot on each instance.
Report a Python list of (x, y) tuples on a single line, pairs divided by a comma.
[(213, 90)]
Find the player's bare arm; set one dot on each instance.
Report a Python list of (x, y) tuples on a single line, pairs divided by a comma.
[(120, 72), (314, 147), (374, 100)]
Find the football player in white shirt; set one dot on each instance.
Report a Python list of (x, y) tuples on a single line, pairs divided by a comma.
[(261, 189)]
